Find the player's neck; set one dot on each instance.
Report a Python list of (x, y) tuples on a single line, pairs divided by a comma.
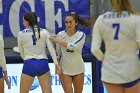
[(70, 33), (28, 27)]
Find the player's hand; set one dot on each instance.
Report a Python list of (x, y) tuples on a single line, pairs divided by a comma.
[(58, 70), (55, 40), (7, 82)]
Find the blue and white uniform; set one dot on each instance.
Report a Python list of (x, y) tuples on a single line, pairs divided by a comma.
[(2, 57), (71, 60), (34, 53), (121, 35)]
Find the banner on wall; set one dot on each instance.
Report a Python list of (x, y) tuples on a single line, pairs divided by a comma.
[(51, 14)]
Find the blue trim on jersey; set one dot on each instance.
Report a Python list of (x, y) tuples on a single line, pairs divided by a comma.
[(79, 39), (1, 74), (130, 84)]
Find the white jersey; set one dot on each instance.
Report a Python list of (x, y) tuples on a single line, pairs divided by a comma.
[(121, 35), (30, 49), (71, 58), (2, 56)]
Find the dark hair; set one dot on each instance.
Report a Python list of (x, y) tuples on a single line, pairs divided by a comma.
[(122, 5), (32, 19), (79, 20)]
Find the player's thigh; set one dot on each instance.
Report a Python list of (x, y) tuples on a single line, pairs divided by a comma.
[(1, 85), (25, 83), (78, 81), (66, 82), (114, 88), (133, 89), (44, 81)]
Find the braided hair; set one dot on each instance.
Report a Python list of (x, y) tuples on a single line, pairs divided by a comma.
[(32, 19)]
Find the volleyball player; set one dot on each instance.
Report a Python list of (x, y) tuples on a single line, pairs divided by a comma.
[(3, 69), (69, 47), (120, 31), (32, 42)]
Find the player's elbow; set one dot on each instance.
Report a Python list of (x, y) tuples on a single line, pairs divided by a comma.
[(97, 54), (93, 50)]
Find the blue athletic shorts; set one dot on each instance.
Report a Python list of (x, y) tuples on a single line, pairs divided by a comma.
[(35, 67), (1, 74), (130, 84)]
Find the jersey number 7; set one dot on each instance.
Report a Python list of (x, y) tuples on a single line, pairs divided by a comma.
[(117, 27)]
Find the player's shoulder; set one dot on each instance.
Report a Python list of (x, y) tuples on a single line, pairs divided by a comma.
[(101, 17), (136, 16), (21, 32), (61, 33), (44, 33), (42, 30), (79, 32)]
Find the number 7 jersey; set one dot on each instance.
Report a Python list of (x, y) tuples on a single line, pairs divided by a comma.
[(121, 35)]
